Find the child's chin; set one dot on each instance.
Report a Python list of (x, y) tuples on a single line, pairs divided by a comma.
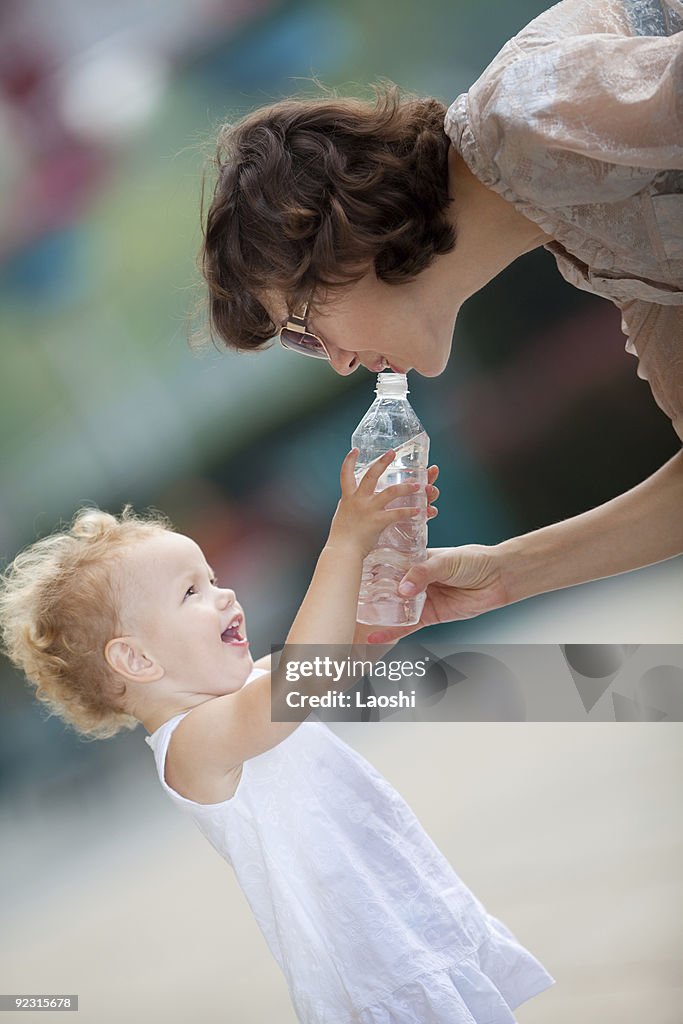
[(247, 668), (238, 678)]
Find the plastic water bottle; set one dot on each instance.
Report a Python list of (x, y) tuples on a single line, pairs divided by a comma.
[(390, 422)]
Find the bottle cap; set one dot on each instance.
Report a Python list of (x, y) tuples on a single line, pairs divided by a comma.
[(392, 385)]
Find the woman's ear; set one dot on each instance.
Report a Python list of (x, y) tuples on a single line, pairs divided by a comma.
[(125, 656)]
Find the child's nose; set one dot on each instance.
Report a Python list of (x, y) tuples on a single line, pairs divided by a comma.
[(226, 597)]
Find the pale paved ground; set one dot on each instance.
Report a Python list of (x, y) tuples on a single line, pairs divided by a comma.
[(570, 833)]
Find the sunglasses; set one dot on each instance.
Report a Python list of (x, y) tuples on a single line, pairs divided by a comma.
[(295, 336)]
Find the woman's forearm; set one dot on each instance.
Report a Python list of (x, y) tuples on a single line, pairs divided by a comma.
[(642, 526)]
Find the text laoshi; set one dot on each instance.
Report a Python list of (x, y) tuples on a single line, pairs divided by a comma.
[(338, 699)]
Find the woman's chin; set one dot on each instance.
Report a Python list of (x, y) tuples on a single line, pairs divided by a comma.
[(435, 362), (432, 369)]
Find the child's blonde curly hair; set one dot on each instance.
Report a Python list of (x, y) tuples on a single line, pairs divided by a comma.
[(58, 610)]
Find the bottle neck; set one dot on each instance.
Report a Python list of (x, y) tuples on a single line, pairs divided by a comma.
[(392, 385)]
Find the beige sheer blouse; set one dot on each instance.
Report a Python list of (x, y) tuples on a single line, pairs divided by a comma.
[(579, 122)]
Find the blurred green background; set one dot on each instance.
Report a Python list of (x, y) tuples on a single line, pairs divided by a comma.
[(107, 115)]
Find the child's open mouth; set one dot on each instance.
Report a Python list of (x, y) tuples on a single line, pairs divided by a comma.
[(232, 634)]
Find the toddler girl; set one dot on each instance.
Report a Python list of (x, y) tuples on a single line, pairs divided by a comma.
[(120, 620)]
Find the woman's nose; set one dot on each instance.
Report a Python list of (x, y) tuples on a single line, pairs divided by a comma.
[(343, 362)]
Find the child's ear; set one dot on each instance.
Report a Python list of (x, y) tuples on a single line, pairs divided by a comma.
[(127, 658)]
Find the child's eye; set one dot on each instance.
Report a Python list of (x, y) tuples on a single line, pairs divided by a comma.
[(213, 581), (190, 591)]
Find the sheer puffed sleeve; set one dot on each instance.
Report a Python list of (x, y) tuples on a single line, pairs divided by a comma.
[(581, 119), (655, 336), (578, 121)]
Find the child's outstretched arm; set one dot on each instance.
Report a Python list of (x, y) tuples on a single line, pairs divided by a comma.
[(328, 612), (219, 735)]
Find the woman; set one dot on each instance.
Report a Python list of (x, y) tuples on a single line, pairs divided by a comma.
[(358, 230)]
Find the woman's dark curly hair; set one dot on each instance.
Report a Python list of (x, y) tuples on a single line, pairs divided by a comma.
[(312, 193)]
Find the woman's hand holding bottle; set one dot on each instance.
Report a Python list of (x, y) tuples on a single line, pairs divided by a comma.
[(460, 583), (637, 528)]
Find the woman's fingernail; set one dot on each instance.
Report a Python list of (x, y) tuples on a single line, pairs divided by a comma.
[(407, 588)]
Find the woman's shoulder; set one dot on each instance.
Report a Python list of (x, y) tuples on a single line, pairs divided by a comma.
[(572, 18), (523, 126)]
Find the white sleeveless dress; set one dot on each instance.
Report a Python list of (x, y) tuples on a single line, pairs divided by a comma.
[(366, 918)]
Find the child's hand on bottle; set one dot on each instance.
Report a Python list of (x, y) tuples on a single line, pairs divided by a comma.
[(362, 511)]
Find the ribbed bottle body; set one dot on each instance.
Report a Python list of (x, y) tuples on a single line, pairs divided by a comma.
[(390, 422)]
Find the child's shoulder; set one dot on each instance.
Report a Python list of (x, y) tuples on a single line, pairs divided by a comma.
[(191, 768), (211, 743)]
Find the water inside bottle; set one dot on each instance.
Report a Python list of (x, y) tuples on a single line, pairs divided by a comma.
[(399, 546)]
